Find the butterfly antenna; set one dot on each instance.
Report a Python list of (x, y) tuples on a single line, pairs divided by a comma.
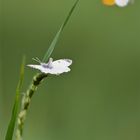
[(37, 60)]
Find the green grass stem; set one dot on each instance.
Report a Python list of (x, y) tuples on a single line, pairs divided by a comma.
[(55, 40), (11, 126), (26, 102)]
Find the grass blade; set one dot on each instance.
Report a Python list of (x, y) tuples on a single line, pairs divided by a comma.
[(53, 44), (12, 122)]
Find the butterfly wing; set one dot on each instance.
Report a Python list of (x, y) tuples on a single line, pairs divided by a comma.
[(38, 67), (60, 66), (62, 62), (56, 70)]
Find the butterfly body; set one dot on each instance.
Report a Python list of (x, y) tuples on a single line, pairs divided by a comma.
[(44, 65), (53, 67)]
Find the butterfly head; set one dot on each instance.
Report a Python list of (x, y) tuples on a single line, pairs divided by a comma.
[(44, 65), (47, 65)]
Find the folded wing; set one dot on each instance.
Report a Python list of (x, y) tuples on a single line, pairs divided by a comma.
[(58, 70), (63, 62)]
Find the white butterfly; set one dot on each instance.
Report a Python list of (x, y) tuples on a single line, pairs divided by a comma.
[(123, 3), (53, 67)]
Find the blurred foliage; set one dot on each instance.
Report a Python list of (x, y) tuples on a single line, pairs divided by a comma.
[(99, 99)]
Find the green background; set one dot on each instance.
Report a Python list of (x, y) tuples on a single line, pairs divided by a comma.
[(100, 98)]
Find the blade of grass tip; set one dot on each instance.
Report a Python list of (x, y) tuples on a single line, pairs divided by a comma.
[(53, 44), (12, 122)]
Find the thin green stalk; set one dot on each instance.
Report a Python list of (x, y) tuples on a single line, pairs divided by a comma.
[(11, 126), (55, 40), (26, 102)]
